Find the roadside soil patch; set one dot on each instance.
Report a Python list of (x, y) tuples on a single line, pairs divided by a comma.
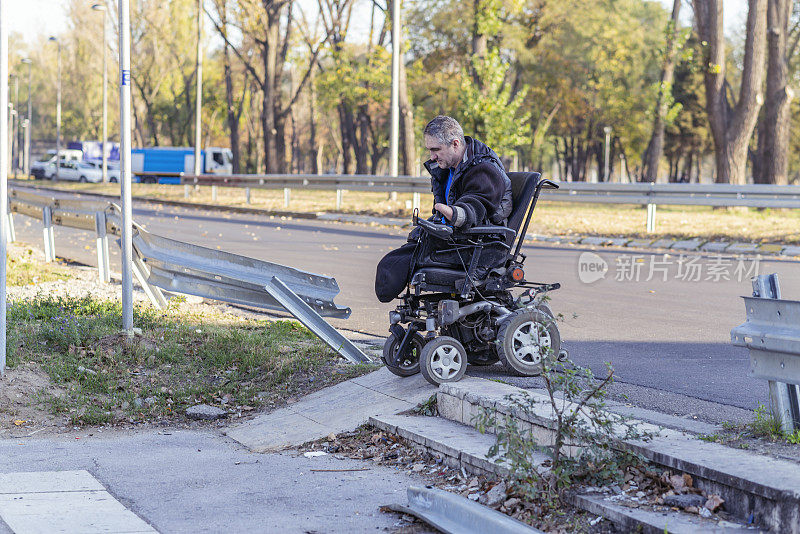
[(70, 366)]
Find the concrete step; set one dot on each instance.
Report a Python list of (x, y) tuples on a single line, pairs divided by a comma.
[(648, 522), (750, 483), (461, 446)]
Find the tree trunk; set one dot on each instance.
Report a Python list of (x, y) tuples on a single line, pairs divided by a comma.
[(408, 144), (281, 147), (363, 140), (348, 129), (655, 148), (312, 115), (270, 90), (773, 130), (732, 127), (233, 119), (480, 42)]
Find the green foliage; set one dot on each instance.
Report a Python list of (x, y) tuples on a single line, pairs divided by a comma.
[(585, 443), (490, 112), (766, 425), (794, 437), (356, 77), (428, 408)]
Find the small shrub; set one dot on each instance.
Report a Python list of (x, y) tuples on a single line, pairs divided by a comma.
[(766, 425), (586, 438)]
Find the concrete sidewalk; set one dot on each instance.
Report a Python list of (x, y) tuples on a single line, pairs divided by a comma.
[(196, 481), (69, 502), (338, 408)]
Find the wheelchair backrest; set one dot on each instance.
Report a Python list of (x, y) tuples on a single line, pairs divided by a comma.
[(523, 185)]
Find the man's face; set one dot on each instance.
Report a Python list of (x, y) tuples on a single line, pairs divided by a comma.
[(446, 155)]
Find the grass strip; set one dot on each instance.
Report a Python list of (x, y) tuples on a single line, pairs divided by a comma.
[(175, 360)]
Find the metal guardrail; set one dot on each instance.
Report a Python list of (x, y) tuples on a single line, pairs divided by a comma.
[(160, 264), (453, 513), (644, 194), (772, 333)]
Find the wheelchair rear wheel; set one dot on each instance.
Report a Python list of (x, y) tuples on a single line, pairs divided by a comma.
[(525, 340), (443, 360), (409, 366)]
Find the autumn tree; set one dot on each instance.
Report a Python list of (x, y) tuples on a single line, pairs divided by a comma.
[(772, 161), (731, 123)]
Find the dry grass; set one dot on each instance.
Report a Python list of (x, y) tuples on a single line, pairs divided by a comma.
[(551, 218)]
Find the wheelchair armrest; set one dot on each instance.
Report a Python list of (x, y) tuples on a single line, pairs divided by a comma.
[(507, 233), (441, 231)]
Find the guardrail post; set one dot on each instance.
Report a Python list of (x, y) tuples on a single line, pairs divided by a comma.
[(338, 199), (153, 293), (186, 191), (213, 193), (10, 235), (247, 194), (49, 238), (103, 260), (415, 201), (651, 218), (784, 398), (287, 193)]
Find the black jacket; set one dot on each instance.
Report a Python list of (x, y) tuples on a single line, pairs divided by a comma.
[(481, 190)]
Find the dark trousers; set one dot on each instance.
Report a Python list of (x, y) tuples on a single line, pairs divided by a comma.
[(391, 276)]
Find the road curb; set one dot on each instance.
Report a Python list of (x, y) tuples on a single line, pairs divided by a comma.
[(462, 447), (751, 484)]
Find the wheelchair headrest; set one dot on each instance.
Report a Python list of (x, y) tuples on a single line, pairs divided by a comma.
[(523, 185)]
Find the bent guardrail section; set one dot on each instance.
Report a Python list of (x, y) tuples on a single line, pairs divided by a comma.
[(184, 268), (160, 263)]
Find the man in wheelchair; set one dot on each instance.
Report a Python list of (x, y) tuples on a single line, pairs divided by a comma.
[(458, 269)]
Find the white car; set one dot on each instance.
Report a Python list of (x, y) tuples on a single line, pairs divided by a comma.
[(79, 171)]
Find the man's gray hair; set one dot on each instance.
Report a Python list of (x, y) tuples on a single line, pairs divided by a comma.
[(445, 129)]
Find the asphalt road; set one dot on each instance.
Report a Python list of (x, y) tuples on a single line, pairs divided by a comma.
[(658, 327)]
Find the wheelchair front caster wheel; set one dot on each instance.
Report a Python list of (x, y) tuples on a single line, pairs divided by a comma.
[(525, 340), (443, 360), (410, 365)]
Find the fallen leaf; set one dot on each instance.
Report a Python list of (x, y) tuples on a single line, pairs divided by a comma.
[(678, 483), (714, 502), (19, 422)]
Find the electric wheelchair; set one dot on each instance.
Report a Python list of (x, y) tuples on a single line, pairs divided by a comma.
[(464, 292)]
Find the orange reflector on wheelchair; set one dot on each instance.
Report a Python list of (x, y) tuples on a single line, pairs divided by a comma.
[(517, 274)]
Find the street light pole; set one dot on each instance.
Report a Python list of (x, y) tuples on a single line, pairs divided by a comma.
[(199, 96), (27, 150), (607, 130), (58, 110), (101, 7), (125, 161), (15, 128), (3, 176), (395, 126)]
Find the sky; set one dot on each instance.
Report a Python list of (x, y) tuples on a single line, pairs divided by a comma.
[(48, 17)]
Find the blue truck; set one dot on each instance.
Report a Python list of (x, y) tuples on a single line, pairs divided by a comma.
[(93, 151), (178, 159)]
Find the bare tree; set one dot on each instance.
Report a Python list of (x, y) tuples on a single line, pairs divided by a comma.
[(655, 149), (268, 25), (731, 124), (773, 129)]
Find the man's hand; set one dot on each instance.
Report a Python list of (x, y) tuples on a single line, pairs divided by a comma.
[(445, 210)]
